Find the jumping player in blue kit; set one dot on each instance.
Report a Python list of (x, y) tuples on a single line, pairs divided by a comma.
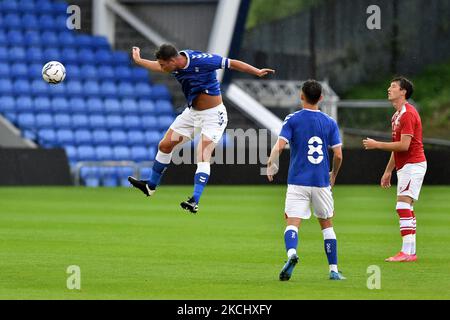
[(309, 133), (205, 112)]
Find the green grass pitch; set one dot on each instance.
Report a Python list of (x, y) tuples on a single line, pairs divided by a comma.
[(131, 247)]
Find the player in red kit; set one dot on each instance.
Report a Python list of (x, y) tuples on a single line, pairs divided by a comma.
[(408, 158)]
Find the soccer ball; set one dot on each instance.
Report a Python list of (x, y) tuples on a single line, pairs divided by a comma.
[(54, 72)]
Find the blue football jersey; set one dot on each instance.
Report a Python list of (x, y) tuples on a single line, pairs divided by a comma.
[(199, 75), (309, 134)]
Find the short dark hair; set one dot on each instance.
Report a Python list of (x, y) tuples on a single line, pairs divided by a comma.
[(405, 84), (166, 52), (312, 90)]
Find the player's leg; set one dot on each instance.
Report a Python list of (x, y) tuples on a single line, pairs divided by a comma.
[(162, 160), (205, 149), (297, 207), (181, 130), (322, 200), (410, 179), (212, 123)]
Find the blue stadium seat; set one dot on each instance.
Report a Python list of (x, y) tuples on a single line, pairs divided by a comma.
[(100, 137), (130, 106), (122, 174), (42, 104), (11, 116), (160, 92), (104, 153), (108, 176), (152, 137), (123, 73), (19, 70), (97, 122), (83, 41), (47, 22), (118, 137), (35, 72), (108, 89), (86, 56), (120, 58), (57, 90), (100, 42), (4, 54), (91, 88), (80, 121), (61, 23), (7, 104), (164, 122), (145, 173), (24, 103), (6, 86), (152, 151), (103, 56), (74, 88), (52, 54), (39, 88), (90, 176), (47, 138), (136, 138), (20, 87), (49, 39), (112, 107), (140, 75), (17, 54), (106, 73), (35, 55), (126, 90), (95, 106), (139, 154), (83, 136), (29, 134), (14, 38), (149, 122), (86, 153), (9, 6), (72, 153), (62, 121), (44, 121), (73, 72), (32, 38), (143, 90), (12, 21), (114, 122), (67, 39), (29, 21), (4, 70), (88, 72), (3, 40), (77, 104), (69, 56), (59, 8), (121, 153), (26, 120), (60, 104), (132, 122)]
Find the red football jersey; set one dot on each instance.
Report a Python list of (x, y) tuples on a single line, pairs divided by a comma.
[(407, 121)]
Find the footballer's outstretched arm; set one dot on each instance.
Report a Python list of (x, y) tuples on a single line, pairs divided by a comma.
[(247, 68), (148, 64), (273, 159)]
